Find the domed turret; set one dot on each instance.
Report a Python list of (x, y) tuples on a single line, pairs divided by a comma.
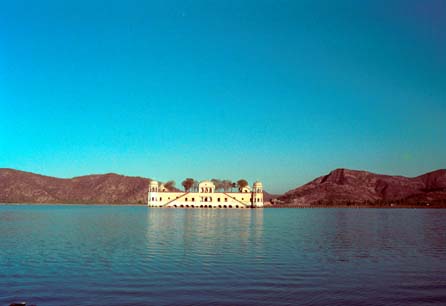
[(153, 186), (258, 186), (257, 194)]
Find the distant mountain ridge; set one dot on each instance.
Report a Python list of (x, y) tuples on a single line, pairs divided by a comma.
[(352, 186), (26, 187), (341, 186)]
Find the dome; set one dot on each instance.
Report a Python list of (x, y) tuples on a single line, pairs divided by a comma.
[(206, 183), (247, 188), (206, 186), (153, 183), (258, 184)]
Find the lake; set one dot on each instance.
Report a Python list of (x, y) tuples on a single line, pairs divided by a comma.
[(134, 255)]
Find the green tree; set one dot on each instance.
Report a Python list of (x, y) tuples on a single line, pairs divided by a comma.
[(242, 183), (188, 183), (170, 185), (226, 185), (218, 184), (195, 185)]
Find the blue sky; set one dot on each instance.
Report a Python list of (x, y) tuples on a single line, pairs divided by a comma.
[(280, 91)]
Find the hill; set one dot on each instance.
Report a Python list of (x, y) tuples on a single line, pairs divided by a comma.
[(343, 186), (25, 187)]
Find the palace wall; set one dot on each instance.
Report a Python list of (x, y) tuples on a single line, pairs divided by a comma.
[(200, 199)]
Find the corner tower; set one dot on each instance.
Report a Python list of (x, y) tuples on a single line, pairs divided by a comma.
[(152, 197), (257, 194)]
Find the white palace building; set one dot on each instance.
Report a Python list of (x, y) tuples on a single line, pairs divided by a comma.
[(205, 197)]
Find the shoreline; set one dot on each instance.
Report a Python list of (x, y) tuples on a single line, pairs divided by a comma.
[(402, 206), (72, 204)]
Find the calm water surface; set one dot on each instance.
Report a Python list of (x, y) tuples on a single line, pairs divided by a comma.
[(108, 255)]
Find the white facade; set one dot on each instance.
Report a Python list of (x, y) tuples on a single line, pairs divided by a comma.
[(206, 197)]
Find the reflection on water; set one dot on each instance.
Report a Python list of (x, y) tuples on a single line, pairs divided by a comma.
[(100, 255), (205, 228)]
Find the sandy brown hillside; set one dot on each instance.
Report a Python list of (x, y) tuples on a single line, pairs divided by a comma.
[(25, 187), (343, 185)]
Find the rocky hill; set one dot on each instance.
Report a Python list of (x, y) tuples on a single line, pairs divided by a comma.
[(343, 186), (25, 187)]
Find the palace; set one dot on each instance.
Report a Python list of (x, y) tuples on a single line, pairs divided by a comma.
[(205, 196)]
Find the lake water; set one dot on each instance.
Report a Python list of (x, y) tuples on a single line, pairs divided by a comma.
[(117, 255)]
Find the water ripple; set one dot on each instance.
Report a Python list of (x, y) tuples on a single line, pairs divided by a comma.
[(79, 255)]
